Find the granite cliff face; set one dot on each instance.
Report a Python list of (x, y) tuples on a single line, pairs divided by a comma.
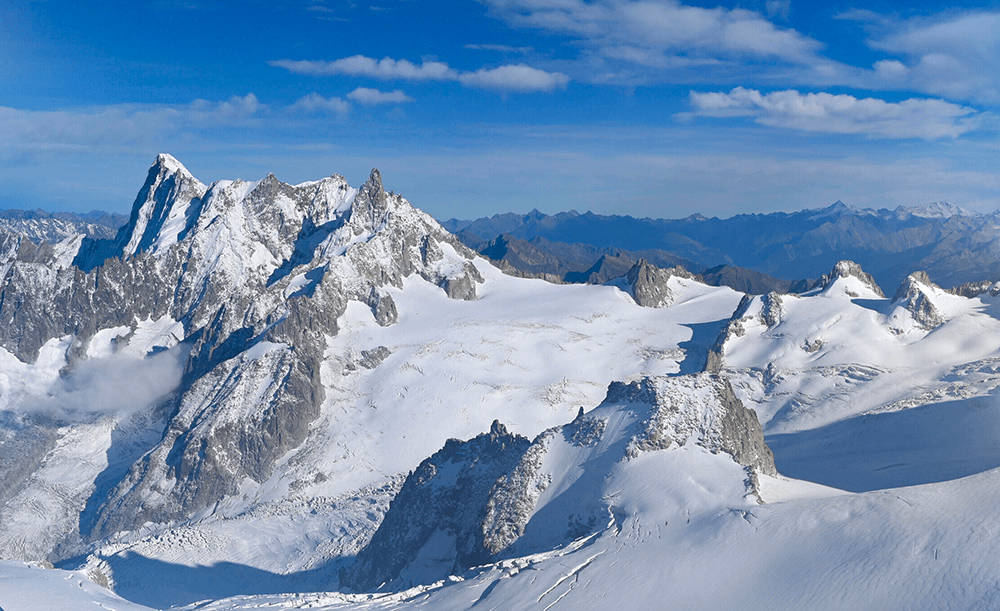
[(249, 279), (435, 522)]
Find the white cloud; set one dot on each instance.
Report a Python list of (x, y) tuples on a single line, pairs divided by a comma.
[(514, 78), (235, 109), (890, 70), (374, 97), (119, 124), (656, 32), (778, 8), (954, 55), (115, 384), (501, 48), (927, 119), (359, 65), (314, 102)]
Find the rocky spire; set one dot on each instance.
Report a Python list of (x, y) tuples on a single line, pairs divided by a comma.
[(846, 269), (170, 193)]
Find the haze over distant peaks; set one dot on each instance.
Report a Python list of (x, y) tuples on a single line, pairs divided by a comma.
[(951, 243)]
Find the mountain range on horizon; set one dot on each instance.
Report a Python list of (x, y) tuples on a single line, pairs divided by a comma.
[(951, 244)]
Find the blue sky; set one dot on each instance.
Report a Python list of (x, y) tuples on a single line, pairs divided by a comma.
[(649, 108)]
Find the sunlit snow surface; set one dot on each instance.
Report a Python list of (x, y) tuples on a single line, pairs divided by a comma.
[(849, 397)]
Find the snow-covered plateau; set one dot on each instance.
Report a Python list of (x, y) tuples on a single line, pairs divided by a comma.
[(269, 396)]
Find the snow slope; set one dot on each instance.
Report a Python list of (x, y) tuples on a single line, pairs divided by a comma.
[(528, 352), (353, 321)]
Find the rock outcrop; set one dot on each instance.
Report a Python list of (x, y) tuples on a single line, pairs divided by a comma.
[(915, 295), (649, 284), (766, 310), (849, 269), (489, 498), (434, 524)]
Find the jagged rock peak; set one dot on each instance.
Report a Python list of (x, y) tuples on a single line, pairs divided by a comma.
[(169, 191), (911, 284), (648, 283), (702, 406), (441, 501), (370, 205), (166, 162), (846, 269), (916, 295), (771, 310), (497, 430)]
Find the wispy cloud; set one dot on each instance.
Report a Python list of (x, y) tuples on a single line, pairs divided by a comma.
[(952, 55), (778, 8), (234, 109), (663, 33), (501, 48), (120, 124), (374, 97), (927, 119), (517, 77), (359, 65), (111, 385), (314, 102)]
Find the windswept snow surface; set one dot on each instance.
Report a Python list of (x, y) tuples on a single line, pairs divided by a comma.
[(927, 547), (29, 587), (846, 398), (527, 352)]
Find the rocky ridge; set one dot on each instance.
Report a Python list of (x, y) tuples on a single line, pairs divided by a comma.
[(649, 286), (250, 278), (39, 226), (915, 295), (488, 498), (849, 269)]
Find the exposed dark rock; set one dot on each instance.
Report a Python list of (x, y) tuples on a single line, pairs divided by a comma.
[(473, 502), (649, 284), (445, 497), (913, 295), (976, 288), (751, 282), (845, 269), (606, 268)]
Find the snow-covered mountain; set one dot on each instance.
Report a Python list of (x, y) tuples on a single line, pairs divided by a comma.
[(498, 496), (40, 226), (262, 395)]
